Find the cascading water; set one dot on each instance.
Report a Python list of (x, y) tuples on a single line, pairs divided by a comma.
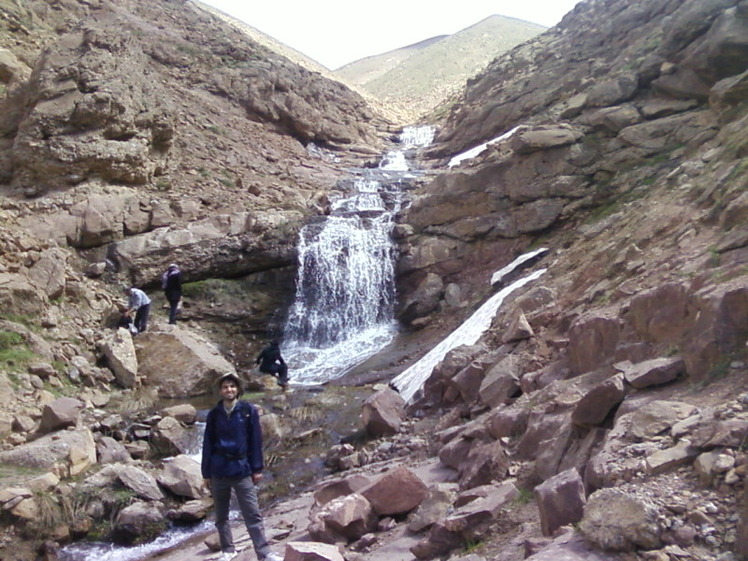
[(345, 295)]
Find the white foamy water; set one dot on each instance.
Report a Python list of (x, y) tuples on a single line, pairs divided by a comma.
[(345, 287), (310, 365), (411, 380), (111, 552), (394, 161), (415, 136)]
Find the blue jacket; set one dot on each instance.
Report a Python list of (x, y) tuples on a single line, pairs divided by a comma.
[(232, 444)]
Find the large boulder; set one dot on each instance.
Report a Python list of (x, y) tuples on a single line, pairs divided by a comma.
[(74, 449), (561, 501), (397, 492), (59, 414), (342, 519), (20, 296), (182, 476), (634, 525), (720, 327), (179, 363), (383, 412), (138, 522), (74, 130), (592, 341), (311, 551), (223, 245), (119, 351)]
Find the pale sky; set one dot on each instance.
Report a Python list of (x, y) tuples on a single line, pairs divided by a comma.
[(336, 32)]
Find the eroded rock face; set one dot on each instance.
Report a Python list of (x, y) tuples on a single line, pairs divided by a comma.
[(97, 115)]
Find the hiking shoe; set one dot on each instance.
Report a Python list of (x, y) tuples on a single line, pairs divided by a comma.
[(228, 555), (273, 557)]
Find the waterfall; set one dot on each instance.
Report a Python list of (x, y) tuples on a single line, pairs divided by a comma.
[(345, 286), (345, 281)]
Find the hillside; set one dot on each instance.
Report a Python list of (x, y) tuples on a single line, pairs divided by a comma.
[(422, 76), (601, 416)]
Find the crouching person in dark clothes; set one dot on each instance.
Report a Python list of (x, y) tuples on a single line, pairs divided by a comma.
[(232, 459), (271, 362)]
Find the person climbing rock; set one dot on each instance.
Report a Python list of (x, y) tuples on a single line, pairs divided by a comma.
[(171, 282), (138, 307), (271, 362), (232, 459)]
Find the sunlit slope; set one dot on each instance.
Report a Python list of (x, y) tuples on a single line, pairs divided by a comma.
[(423, 75)]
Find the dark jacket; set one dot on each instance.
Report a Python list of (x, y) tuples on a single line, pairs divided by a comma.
[(172, 283), (232, 445), (270, 358)]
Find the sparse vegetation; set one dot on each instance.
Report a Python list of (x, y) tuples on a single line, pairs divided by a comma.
[(526, 496), (14, 353)]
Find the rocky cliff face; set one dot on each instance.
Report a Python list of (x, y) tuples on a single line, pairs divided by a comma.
[(136, 134), (630, 139), (140, 133), (628, 163)]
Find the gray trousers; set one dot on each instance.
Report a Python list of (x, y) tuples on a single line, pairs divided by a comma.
[(246, 495)]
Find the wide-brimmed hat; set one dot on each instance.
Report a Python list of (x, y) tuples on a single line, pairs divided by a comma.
[(234, 378)]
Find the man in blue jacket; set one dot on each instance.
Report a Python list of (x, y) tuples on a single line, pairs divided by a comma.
[(232, 459)]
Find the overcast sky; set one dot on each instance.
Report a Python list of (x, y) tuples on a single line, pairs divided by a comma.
[(336, 32)]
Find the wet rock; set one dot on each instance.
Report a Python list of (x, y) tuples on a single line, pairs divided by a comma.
[(138, 522), (191, 511), (423, 300)]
